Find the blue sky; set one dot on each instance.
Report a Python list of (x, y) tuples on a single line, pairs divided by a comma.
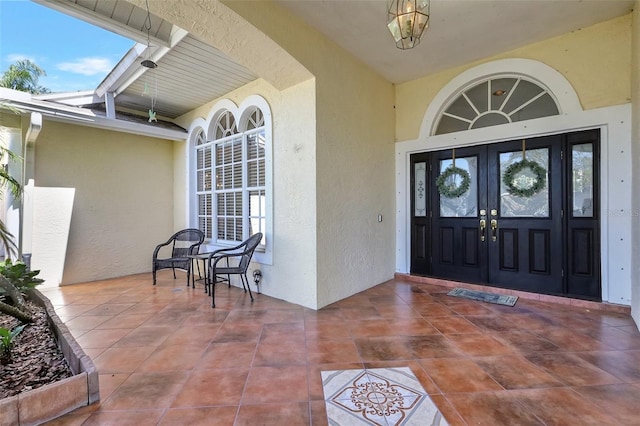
[(74, 54)]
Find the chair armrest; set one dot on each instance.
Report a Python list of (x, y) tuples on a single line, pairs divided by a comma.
[(216, 257), (239, 246), (158, 247), (195, 248), (229, 251)]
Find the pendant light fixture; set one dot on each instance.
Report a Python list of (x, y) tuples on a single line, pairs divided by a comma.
[(407, 20), (150, 64)]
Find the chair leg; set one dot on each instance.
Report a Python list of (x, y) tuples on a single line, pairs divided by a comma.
[(244, 279), (207, 282), (228, 275), (174, 272), (198, 266), (154, 276), (212, 292)]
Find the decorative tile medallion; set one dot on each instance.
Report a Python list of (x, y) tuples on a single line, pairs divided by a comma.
[(379, 396)]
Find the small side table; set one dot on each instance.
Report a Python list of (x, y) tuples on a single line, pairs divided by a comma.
[(203, 276), (195, 257)]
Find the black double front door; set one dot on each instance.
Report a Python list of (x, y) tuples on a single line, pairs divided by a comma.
[(544, 242)]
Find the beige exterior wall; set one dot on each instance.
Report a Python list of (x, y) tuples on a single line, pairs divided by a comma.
[(635, 144), (354, 157), (333, 167), (123, 197), (292, 276), (595, 60), (180, 196), (355, 178), (333, 163), (10, 120)]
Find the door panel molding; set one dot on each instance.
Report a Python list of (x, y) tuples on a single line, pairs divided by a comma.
[(509, 254), (583, 264), (447, 245), (470, 240), (539, 249)]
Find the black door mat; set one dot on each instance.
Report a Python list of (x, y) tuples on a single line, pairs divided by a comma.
[(482, 296)]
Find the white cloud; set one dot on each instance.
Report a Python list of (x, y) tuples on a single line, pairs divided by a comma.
[(15, 57), (87, 66)]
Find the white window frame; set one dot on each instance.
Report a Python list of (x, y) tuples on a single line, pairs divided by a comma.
[(241, 113)]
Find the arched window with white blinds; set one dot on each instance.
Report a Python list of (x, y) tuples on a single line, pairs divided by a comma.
[(232, 188)]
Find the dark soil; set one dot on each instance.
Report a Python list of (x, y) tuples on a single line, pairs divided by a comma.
[(36, 358)]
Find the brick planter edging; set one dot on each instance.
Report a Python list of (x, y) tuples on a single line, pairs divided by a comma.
[(53, 400)]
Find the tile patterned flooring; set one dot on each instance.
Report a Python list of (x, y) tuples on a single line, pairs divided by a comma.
[(166, 357), (378, 396)]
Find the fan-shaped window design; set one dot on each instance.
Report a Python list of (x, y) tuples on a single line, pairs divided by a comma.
[(496, 101), (256, 119), (226, 125), (201, 138)]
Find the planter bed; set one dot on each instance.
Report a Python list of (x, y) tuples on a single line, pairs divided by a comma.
[(52, 400)]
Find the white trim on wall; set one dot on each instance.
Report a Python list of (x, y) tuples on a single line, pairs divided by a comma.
[(615, 182), (558, 86)]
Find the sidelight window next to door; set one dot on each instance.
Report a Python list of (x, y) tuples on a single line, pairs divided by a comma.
[(531, 228)]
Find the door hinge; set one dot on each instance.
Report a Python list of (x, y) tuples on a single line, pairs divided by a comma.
[(562, 273), (562, 154), (562, 213), (430, 167), (430, 213)]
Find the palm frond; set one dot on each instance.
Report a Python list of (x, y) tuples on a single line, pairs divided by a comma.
[(8, 241), (6, 180)]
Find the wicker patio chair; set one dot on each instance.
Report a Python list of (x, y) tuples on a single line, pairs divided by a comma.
[(237, 261), (182, 243)]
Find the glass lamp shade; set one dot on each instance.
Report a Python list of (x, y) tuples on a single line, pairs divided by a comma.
[(148, 63), (407, 20)]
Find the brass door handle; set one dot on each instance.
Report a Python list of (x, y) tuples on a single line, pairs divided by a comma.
[(483, 226), (494, 228)]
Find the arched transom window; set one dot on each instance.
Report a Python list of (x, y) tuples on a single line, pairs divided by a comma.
[(495, 101)]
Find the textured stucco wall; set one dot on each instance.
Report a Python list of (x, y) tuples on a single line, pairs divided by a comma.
[(123, 197), (355, 179), (595, 60), (635, 143), (355, 156), (292, 276), (180, 195), (333, 174)]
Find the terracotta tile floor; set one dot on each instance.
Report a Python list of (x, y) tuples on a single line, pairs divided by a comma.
[(166, 357)]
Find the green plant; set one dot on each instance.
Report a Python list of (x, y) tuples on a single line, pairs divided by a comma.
[(23, 76), (19, 275), (7, 337), (16, 279)]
